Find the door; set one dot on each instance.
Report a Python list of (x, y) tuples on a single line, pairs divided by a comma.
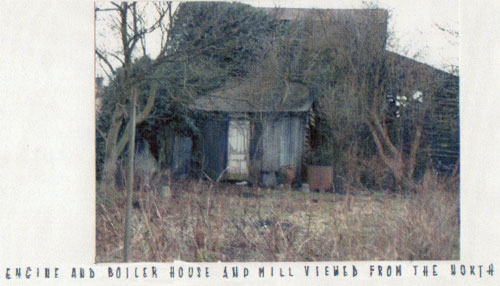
[(238, 149)]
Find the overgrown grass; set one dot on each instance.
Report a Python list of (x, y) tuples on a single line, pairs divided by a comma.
[(203, 221)]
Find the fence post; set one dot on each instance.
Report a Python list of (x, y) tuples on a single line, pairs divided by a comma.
[(130, 191)]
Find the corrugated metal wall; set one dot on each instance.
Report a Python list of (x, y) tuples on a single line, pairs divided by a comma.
[(282, 143), (291, 142), (271, 138)]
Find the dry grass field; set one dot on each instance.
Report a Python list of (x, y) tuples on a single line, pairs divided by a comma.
[(203, 221)]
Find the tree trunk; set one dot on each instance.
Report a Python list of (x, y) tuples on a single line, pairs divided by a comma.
[(109, 171), (116, 144), (132, 29), (111, 156), (393, 158)]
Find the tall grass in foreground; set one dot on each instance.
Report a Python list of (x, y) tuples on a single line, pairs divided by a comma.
[(203, 221)]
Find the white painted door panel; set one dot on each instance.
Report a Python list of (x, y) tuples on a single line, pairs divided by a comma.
[(238, 144)]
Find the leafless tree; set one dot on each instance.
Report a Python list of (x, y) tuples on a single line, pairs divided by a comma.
[(130, 22), (343, 61)]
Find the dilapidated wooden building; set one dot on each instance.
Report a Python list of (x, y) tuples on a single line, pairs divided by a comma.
[(252, 124), (250, 131)]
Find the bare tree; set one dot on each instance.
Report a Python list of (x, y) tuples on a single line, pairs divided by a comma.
[(362, 97), (131, 24), (202, 44), (453, 36), (341, 56), (129, 21)]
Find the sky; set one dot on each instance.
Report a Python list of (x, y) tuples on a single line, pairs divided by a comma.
[(413, 24)]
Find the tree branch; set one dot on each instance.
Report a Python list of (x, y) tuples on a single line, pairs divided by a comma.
[(105, 9), (149, 104), (413, 152), (384, 136), (117, 57), (105, 60), (103, 135), (118, 7), (379, 145), (105, 71), (139, 119)]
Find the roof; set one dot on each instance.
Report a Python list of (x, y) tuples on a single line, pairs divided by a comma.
[(252, 95), (340, 14), (414, 74), (409, 63), (359, 23), (247, 96)]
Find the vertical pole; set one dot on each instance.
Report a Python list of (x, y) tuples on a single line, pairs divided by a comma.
[(130, 191)]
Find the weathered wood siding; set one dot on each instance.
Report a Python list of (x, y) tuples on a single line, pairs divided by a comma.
[(181, 156), (175, 153), (215, 134)]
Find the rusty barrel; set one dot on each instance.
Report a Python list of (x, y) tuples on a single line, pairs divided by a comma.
[(320, 178), (287, 174)]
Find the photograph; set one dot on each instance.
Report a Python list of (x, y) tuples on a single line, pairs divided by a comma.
[(258, 132)]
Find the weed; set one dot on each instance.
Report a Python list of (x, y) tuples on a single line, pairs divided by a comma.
[(208, 221)]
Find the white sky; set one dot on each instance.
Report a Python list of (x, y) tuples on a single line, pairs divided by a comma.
[(413, 24)]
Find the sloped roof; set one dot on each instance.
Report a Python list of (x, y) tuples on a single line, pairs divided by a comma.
[(339, 14), (251, 95), (360, 22), (409, 63), (414, 74), (248, 96)]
